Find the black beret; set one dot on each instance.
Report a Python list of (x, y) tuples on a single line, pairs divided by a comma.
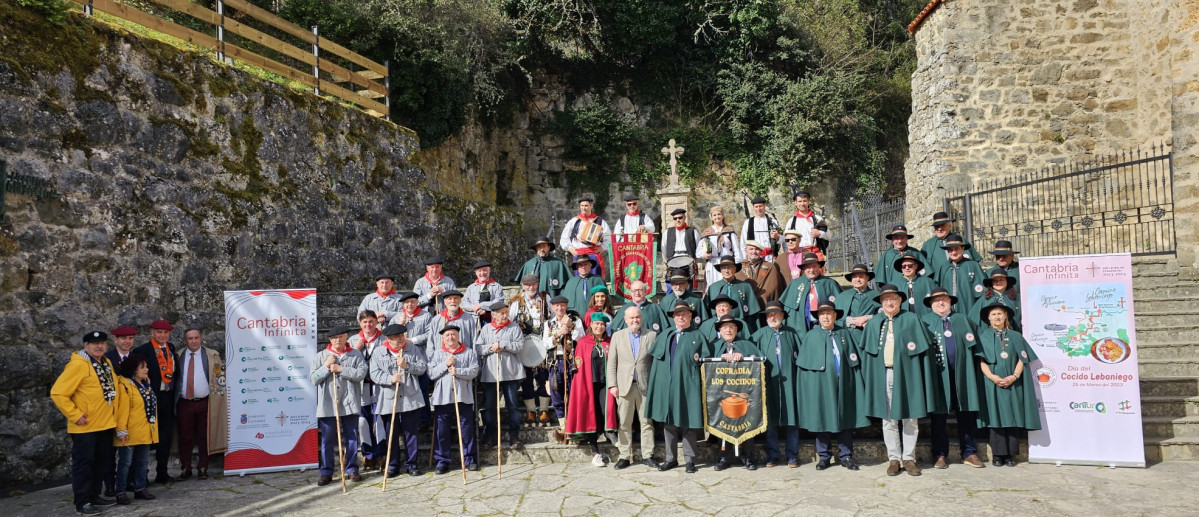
[(677, 211)]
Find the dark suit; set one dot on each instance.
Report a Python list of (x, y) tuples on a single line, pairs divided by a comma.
[(115, 358), (166, 405)]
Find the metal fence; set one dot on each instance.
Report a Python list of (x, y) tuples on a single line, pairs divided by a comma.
[(1115, 204), (858, 236)]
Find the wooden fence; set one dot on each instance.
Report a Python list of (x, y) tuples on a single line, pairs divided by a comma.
[(361, 77)]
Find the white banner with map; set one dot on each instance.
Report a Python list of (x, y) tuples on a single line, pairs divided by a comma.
[(1078, 317)]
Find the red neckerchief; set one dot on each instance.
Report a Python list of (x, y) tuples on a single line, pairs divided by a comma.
[(633, 213), (397, 351), (588, 217), (447, 317), (684, 228), (432, 281), (484, 282), (497, 327), (810, 216), (362, 336), (385, 295), (453, 352), (415, 314), (335, 352), (166, 362)]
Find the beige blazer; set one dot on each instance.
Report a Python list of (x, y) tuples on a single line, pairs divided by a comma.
[(622, 364)]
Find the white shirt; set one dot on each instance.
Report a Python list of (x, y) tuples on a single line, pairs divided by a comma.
[(758, 229), (567, 243), (199, 376), (627, 224), (805, 226)]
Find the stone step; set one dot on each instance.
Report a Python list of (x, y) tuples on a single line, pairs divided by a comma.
[(1167, 350), (1169, 406), (1159, 449), (1169, 367), (1170, 427), (1152, 265), (1151, 303), (1179, 331), (1164, 386), (1147, 319), (1182, 289), (1145, 280)]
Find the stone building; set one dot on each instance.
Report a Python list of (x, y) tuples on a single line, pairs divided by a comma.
[(1006, 89)]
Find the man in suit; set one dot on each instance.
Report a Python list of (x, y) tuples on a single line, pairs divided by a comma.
[(199, 403), (122, 337), (628, 373), (160, 353)]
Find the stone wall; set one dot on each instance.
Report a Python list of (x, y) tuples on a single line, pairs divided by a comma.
[(1006, 89), (178, 178)]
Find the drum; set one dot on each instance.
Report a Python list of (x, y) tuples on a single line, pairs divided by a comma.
[(532, 354), (590, 233), (680, 262)]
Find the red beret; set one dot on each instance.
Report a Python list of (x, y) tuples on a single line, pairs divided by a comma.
[(162, 325), (123, 331)]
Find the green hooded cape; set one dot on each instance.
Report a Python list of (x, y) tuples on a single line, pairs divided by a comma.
[(967, 378), (916, 392), (674, 395), (1016, 405), (796, 295), (781, 386), (828, 402)]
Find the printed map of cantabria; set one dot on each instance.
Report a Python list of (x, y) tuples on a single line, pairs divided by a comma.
[(1073, 321)]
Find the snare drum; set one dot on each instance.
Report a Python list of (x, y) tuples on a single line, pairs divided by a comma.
[(532, 354)]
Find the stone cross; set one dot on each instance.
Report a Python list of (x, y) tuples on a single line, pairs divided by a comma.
[(674, 152)]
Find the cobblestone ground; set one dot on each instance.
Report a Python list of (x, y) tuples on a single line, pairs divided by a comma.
[(580, 489)]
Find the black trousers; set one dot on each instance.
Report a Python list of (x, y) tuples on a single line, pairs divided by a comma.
[(1005, 441), (166, 430), (91, 455)]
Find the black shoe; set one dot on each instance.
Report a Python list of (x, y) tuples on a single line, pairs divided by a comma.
[(720, 465), (441, 469), (997, 461), (123, 499), (163, 479), (88, 509), (392, 473), (109, 491), (202, 474), (668, 465), (649, 462), (1010, 462), (413, 471), (690, 468), (473, 467), (185, 475), (103, 501), (621, 464), (143, 494), (823, 464), (849, 463), (749, 464)]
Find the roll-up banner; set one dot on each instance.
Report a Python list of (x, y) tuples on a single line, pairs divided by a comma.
[(1077, 313), (270, 339)]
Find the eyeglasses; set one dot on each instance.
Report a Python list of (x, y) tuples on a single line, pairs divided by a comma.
[(679, 218), (908, 265), (791, 240), (631, 203)]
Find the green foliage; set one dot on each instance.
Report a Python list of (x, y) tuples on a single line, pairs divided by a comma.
[(55, 11), (596, 135)]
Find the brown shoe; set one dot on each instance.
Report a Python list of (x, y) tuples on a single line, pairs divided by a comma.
[(893, 468), (355, 477), (324, 480), (941, 463), (973, 461), (559, 436), (544, 418), (910, 467)]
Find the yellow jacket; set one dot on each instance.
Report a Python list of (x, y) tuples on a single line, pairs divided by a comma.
[(131, 416), (77, 392)]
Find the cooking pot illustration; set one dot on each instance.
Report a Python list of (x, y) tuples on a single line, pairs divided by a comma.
[(736, 405)]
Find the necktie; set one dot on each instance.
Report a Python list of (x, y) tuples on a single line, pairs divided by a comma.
[(634, 343), (674, 343), (836, 354), (951, 345), (778, 348), (955, 279), (190, 392)]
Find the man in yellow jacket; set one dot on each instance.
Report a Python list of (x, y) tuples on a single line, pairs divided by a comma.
[(86, 394)]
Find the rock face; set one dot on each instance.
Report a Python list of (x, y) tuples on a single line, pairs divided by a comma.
[(178, 178), (1003, 90)]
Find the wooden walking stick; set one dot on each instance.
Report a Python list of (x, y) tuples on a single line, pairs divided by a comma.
[(499, 449), (458, 415), (341, 453), (391, 430)]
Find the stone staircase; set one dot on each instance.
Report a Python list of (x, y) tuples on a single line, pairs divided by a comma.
[(1167, 329)]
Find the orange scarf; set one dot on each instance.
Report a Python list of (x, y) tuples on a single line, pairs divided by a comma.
[(166, 363)]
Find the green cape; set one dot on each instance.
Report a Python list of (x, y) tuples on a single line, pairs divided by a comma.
[(828, 403), (826, 289), (884, 269), (652, 318), (781, 386), (982, 302), (692, 299), (853, 304), (969, 283), (967, 377), (921, 286), (915, 375), (674, 395), (937, 256), (551, 276), (1014, 406), (747, 306), (576, 292), (708, 330)]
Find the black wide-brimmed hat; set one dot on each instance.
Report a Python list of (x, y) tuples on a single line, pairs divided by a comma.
[(723, 298), (859, 268), (541, 241), (887, 289), (680, 305), (729, 318), (999, 272), (827, 305), (728, 260), (1003, 248), (954, 239), (941, 218), (939, 291), (1011, 314), (899, 229), (908, 256)]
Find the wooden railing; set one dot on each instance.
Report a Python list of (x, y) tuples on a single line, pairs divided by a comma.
[(361, 77)]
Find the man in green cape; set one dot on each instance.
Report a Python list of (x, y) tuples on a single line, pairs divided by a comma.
[(831, 388), (899, 237), (857, 303), (805, 293), (551, 272), (653, 318), (719, 306), (674, 395), (911, 285), (1000, 288), (900, 377), (780, 344), (578, 288), (745, 302), (954, 337), (1005, 259), (961, 277), (933, 247), (680, 289), (732, 348)]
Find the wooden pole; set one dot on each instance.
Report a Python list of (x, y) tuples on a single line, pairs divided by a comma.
[(499, 449), (341, 453), (458, 415), (391, 430)]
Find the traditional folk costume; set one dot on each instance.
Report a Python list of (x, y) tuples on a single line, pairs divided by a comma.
[(570, 241), (371, 434), (745, 302), (900, 380), (424, 285), (678, 241), (629, 221), (855, 303), (467, 323), (653, 318), (934, 248), (530, 312), (804, 223), (161, 357), (347, 406), (551, 272), (592, 409), (758, 229), (384, 305), (803, 296), (690, 298), (674, 386), (717, 348), (781, 348), (405, 396), (578, 288), (417, 322), (503, 367), (1004, 248), (87, 387), (914, 289), (831, 390), (765, 276), (1007, 412), (466, 364), (561, 372), (882, 268), (482, 293), (1008, 298), (718, 243), (956, 345)]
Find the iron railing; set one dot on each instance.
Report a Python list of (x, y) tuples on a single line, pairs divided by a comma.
[(858, 237), (1119, 203)]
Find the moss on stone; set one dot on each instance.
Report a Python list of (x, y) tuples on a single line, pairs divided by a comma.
[(8, 246), (35, 45), (222, 84)]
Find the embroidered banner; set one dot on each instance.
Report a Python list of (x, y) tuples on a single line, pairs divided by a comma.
[(633, 258), (734, 398)]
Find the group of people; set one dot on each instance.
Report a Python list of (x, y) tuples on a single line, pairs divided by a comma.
[(123, 403), (937, 337)]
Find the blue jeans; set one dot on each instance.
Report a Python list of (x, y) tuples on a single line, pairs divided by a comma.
[(136, 457), (327, 426), (772, 443), (844, 444), (510, 391)]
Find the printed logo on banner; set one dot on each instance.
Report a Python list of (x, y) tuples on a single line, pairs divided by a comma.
[(1124, 407), (1046, 376), (1089, 407)]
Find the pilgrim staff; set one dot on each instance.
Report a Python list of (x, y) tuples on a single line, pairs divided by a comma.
[(458, 415), (391, 429), (499, 443), (341, 451)]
